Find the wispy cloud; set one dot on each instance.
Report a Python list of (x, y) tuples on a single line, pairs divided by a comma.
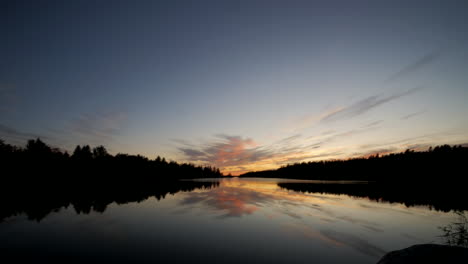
[(363, 106), (408, 116), (309, 120), (99, 128), (16, 136), (414, 67), (236, 154), (289, 139), (334, 136), (350, 111), (229, 153), (366, 104), (226, 151), (373, 124), (101, 125)]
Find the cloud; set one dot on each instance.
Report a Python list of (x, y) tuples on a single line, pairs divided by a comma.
[(192, 153), (100, 125), (334, 136), (373, 124), (368, 103), (17, 136), (363, 106), (237, 155), (310, 119), (289, 139), (226, 151), (406, 117), (98, 128), (347, 112), (414, 67)]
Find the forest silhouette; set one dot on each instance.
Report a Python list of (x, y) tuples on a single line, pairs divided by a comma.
[(37, 179), (440, 164)]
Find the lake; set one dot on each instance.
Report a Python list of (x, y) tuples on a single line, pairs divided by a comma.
[(233, 220)]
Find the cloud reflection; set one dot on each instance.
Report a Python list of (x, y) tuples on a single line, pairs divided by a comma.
[(241, 197), (232, 202), (354, 242), (337, 220)]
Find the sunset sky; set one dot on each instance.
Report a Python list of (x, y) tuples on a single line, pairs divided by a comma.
[(240, 85)]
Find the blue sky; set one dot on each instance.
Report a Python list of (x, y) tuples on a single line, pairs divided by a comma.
[(241, 85)]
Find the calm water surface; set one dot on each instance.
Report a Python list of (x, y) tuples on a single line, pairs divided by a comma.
[(241, 220)]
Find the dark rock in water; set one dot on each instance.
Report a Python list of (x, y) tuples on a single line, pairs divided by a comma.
[(426, 253)]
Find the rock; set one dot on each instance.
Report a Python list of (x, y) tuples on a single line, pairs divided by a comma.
[(426, 253)]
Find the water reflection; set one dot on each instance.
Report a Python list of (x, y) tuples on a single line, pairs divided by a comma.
[(320, 211), (231, 201), (227, 220), (434, 197), (37, 203)]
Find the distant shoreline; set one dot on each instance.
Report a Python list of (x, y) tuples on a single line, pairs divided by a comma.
[(442, 163)]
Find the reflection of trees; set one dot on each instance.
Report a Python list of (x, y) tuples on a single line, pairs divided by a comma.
[(435, 196), (456, 233), (37, 204), (38, 179)]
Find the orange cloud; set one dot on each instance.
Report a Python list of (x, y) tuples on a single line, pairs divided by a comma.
[(237, 155)]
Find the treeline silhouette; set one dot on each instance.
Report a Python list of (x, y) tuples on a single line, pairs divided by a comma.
[(441, 164), (38, 179)]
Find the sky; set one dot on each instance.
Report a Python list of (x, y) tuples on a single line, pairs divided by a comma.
[(240, 85)]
